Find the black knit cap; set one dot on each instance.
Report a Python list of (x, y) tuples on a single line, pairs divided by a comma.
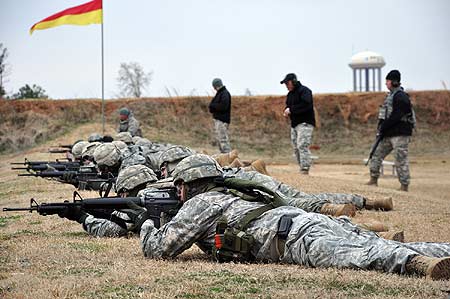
[(393, 75)]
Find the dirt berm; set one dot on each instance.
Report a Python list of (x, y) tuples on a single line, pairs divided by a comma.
[(346, 122)]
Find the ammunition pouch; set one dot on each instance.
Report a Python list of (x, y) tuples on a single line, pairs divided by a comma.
[(284, 226), (236, 246)]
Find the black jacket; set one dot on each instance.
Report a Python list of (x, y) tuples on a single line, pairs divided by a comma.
[(394, 125), (220, 105), (300, 103)]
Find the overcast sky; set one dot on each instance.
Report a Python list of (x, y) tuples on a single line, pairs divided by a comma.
[(248, 43)]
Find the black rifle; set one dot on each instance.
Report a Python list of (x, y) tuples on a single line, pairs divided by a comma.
[(374, 147), (102, 184), (49, 166), (57, 150), (56, 162), (159, 204), (69, 176)]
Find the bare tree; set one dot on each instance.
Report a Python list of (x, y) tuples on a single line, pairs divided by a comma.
[(4, 70), (248, 92), (133, 80)]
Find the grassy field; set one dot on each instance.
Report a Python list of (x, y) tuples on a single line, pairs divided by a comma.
[(50, 257)]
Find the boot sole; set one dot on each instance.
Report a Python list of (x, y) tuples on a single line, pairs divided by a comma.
[(389, 205), (440, 269)]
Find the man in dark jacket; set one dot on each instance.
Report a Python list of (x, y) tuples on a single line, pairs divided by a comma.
[(220, 107), (300, 109), (396, 122)]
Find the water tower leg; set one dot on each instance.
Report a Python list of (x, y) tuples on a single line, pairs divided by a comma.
[(379, 79), (367, 79), (354, 80), (374, 87), (360, 80)]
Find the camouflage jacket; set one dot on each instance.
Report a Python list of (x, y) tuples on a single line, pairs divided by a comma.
[(314, 240), (130, 125)]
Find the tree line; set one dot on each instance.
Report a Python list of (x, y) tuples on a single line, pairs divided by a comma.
[(132, 80)]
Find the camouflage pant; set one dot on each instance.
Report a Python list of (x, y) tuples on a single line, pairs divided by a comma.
[(399, 145), (221, 129), (318, 241), (301, 137), (297, 198)]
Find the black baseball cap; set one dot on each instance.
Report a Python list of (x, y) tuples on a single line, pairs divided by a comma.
[(289, 77)]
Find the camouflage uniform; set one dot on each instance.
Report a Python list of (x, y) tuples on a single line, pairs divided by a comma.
[(100, 227), (130, 125), (294, 197), (301, 138), (221, 129), (314, 240), (134, 155), (398, 144), (128, 179)]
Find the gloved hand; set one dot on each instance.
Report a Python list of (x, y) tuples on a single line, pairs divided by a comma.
[(68, 177), (74, 213), (137, 214)]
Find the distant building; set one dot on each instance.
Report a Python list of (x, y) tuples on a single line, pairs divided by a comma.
[(366, 68)]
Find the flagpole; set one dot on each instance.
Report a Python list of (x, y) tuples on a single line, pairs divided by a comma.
[(103, 81)]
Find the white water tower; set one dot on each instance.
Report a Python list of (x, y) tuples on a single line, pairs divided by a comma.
[(366, 68)]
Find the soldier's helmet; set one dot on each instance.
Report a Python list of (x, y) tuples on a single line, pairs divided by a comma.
[(77, 149), (88, 150), (174, 154), (143, 142), (133, 176), (121, 145), (125, 137), (196, 167), (107, 154), (95, 137)]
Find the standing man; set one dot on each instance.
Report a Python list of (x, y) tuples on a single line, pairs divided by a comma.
[(300, 109), (128, 123), (395, 125), (220, 107)]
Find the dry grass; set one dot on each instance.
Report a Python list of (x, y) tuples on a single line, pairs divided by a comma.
[(49, 257)]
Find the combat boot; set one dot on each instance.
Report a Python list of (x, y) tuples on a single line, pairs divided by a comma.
[(374, 226), (379, 204), (236, 163), (225, 159), (404, 188), (373, 181), (398, 236), (234, 154), (304, 171), (259, 166), (434, 268), (222, 159), (337, 210)]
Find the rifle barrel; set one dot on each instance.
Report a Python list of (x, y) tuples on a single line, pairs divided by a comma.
[(17, 209)]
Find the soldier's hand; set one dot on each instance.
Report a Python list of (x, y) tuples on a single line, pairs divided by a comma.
[(287, 112), (137, 214), (68, 177)]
